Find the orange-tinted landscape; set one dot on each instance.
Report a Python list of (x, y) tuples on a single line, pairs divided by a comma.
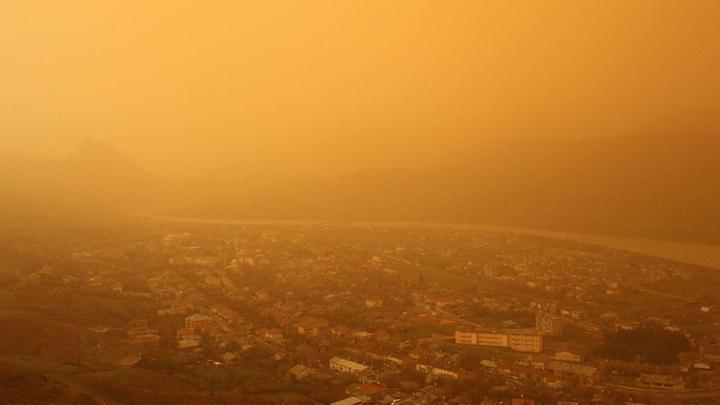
[(360, 202)]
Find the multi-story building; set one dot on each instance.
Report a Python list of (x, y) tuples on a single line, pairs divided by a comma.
[(346, 366), (711, 352), (492, 339), (465, 338), (548, 324), (519, 340), (584, 329), (530, 343)]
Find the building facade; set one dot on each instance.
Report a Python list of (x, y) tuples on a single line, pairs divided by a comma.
[(346, 366), (521, 340)]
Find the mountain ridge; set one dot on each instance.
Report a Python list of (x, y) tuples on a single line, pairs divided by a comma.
[(652, 186)]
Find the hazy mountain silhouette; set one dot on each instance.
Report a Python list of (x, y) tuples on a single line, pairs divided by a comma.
[(96, 181), (655, 186)]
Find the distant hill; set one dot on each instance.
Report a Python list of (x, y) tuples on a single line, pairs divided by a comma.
[(42, 361), (29, 333), (665, 187), (653, 186), (20, 385), (94, 183)]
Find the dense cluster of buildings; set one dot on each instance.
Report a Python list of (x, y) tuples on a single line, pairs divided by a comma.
[(395, 316)]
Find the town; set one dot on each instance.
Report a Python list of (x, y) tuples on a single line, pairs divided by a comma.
[(363, 314)]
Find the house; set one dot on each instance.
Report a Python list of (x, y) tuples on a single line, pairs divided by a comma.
[(301, 372), (572, 368), (488, 363), (362, 334), (367, 390), (568, 356), (270, 334), (340, 330), (187, 343), (374, 302), (311, 326), (225, 313), (186, 333), (201, 324), (229, 357), (140, 335), (174, 309), (146, 338), (662, 381), (437, 371)]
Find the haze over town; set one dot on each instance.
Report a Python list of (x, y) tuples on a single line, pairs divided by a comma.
[(360, 202)]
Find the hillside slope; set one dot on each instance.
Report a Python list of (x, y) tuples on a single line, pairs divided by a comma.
[(654, 186)]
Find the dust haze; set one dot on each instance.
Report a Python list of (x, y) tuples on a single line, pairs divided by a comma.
[(326, 87), (360, 202)]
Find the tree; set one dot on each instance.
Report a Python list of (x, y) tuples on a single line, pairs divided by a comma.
[(648, 343)]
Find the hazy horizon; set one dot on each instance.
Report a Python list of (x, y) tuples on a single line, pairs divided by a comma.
[(328, 87), (360, 202)]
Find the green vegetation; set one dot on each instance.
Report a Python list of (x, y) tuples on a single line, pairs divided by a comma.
[(649, 344)]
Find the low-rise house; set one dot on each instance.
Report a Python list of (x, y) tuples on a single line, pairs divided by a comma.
[(348, 401), (568, 356), (367, 390), (437, 371), (374, 302), (202, 324), (577, 369), (301, 372), (144, 337), (661, 381), (225, 313), (187, 343), (139, 334), (270, 334)]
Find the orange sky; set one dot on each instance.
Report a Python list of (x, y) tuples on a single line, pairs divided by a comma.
[(184, 87)]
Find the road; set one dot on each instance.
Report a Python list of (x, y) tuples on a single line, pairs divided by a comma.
[(689, 393), (662, 294)]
